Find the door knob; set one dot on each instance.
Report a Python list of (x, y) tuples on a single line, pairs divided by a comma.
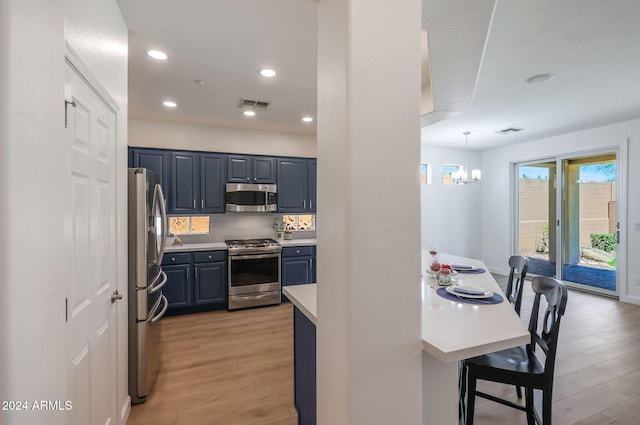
[(115, 296)]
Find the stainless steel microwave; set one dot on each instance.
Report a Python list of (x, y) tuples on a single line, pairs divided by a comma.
[(243, 197)]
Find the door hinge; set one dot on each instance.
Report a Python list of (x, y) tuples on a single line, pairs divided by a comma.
[(66, 107), (66, 309)]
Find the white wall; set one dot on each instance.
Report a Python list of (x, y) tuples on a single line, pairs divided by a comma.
[(450, 216), (169, 135), (32, 203), (32, 265), (497, 190)]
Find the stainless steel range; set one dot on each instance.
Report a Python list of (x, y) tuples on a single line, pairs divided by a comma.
[(254, 272)]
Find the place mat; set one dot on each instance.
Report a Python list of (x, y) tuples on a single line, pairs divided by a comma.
[(495, 299), (472, 271)]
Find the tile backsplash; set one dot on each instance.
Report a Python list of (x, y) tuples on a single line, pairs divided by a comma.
[(242, 226)]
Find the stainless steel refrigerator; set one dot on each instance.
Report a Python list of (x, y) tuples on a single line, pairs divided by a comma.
[(148, 228)]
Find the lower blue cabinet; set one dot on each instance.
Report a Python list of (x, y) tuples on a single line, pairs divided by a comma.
[(298, 265), (178, 286), (211, 280), (196, 281), (304, 367)]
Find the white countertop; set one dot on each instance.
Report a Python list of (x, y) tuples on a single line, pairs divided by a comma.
[(453, 331), (211, 246), (298, 242), (304, 297), (207, 246)]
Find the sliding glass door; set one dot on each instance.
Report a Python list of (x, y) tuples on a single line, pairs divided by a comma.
[(537, 215), (567, 219)]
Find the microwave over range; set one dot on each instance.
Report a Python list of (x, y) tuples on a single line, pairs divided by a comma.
[(243, 197)]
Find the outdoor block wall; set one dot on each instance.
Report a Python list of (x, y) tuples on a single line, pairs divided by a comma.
[(597, 211)]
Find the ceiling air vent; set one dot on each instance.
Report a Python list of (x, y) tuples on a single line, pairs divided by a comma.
[(509, 130), (253, 104)]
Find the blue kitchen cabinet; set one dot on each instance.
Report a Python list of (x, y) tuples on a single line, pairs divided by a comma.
[(184, 182), (251, 169), (264, 170), (212, 180), (196, 281), (197, 183), (297, 185), (312, 184), (304, 368), (177, 266), (178, 286), (155, 160), (298, 265), (210, 271)]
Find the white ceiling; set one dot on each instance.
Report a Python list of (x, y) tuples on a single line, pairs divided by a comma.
[(225, 43), (479, 62)]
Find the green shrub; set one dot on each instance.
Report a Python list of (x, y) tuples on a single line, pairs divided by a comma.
[(603, 241)]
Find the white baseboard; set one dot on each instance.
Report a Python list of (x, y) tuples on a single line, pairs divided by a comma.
[(124, 412)]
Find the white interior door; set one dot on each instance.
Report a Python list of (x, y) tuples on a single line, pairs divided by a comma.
[(91, 261)]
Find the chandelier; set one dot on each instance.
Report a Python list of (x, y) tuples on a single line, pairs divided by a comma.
[(462, 176)]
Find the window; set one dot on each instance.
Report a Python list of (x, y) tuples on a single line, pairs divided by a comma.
[(447, 173), (196, 225), (425, 173), (299, 222)]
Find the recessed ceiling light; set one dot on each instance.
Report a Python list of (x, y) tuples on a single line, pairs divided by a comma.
[(169, 104), (201, 82), (539, 78), (157, 54), (307, 119), (266, 72), (249, 113)]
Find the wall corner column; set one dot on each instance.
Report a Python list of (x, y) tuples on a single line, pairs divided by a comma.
[(369, 291)]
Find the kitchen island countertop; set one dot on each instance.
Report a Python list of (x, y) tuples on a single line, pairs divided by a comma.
[(304, 297)]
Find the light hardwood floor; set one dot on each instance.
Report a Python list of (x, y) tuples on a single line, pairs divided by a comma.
[(224, 368), (236, 368), (597, 378)]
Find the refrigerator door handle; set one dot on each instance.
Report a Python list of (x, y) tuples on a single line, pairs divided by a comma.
[(155, 287), (158, 316), (158, 196)]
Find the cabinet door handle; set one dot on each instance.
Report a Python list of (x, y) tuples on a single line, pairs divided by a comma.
[(202, 203), (310, 204), (310, 266), (209, 257), (305, 204), (196, 272), (194, 204), (173, 259)]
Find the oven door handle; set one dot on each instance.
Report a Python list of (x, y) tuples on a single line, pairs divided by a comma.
[(252, 256)]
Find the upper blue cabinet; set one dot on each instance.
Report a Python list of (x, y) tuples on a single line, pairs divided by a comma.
[(213, 172), (156, 161), (297, 185), (194, 182), (197, 183), (251, 169), (313, 184)]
